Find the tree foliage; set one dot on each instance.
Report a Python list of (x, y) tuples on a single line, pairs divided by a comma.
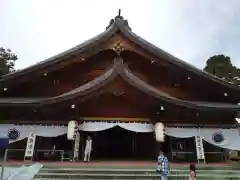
[(7, 61), (222, 67)]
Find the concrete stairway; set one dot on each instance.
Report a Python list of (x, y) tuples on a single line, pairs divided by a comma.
[(47, 173)]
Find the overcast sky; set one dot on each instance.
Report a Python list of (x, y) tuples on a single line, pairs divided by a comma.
[(192, 30)]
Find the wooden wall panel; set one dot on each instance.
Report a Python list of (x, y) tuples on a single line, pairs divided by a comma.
[(176, 92), (160, 76), (65, 79), (119, 100), (113, 109)]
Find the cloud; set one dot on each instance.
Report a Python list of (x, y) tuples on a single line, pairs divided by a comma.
[(190, 30)]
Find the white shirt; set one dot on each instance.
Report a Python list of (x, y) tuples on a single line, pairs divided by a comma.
[(88, 144)]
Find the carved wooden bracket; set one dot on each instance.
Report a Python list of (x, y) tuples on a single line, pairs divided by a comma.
[(118, 46)]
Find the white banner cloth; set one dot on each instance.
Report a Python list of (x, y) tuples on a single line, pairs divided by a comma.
[(96, 126), (230, 137), (181, 132), (199, 148), (20, 132), (30, 145), (138, 127), (76, 146), (224, 138), (100, 126)]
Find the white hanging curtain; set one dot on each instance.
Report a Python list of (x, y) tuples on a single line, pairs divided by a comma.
[(181, 132), (224, 138), (101, 126), (20, 132), (96, 126), (137, 127)]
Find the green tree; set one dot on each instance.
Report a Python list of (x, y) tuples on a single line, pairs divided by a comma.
[(7, 61), (222, 67)]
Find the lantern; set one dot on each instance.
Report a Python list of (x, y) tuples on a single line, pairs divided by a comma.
[(159, 132), (72, 130)]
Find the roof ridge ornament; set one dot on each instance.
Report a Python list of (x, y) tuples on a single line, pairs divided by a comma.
[(119, 12), (119, 20), (119, 15)]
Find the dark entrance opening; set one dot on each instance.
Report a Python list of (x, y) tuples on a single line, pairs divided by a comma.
[(52, 149), (120, 144)]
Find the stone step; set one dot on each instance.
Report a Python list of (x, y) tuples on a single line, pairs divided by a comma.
[(94, 166), (133, 171), (130, 176)]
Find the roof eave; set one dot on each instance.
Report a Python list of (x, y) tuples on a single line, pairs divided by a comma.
[(170, 58), (119, 24), (111, 30), (125, 73)]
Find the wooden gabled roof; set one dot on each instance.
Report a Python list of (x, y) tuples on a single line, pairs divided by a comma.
[(119, 69), (119, 24)]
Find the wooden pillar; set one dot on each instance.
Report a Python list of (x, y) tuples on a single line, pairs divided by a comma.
[(170, 144), (133, 144)]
